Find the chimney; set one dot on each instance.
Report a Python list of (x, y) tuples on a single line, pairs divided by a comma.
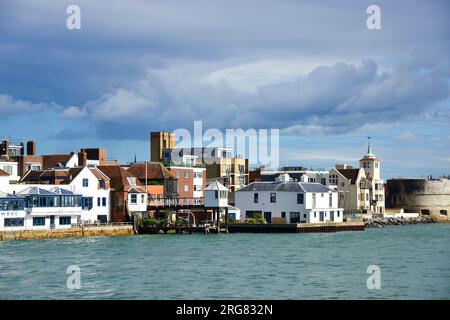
[(82, 158), (22, 149), (31, 148), (4, 147)]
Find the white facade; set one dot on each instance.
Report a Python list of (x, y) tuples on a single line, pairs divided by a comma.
[(289, 202), (12, 169), (26, 214), (97, 203), (137, 202)]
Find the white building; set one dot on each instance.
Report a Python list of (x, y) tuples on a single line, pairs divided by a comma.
[(90, 183), (11, 168), (216, 198), (37, 208), (287, 201)]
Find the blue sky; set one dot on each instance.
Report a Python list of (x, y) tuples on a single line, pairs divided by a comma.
[(310, 68)]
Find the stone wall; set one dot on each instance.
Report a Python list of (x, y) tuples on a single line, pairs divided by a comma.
[(427, 197), (66, 233)]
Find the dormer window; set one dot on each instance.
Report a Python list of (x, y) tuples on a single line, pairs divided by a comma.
[(132, 181)]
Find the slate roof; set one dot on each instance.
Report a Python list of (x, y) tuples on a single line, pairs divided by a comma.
[(287, 187), (350, 174)]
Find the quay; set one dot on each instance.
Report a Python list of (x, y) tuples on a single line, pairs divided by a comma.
[(73, 232), (296, 227), (258, 228)]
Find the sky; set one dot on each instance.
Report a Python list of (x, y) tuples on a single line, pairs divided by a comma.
[(311, 69)]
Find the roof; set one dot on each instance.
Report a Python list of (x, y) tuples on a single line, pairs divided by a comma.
[(350, 174), (98, 174), (36, 191), (287, 187), (53, 160), (216, 185), (65, 176), (118, 177), (61, 191), (155, 171), (10, 195), (3, 173)]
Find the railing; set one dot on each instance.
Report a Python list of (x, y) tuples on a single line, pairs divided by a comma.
[(103, 224), (174, 202)]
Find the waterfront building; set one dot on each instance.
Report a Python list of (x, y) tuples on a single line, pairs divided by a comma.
[(91, 183), (38, 208), (128, 195), (216, 200), (288, 201)]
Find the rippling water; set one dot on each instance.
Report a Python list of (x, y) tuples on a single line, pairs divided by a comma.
[(414, 262)]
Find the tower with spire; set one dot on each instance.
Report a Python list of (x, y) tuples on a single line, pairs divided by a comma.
[(371, 166), (370, 163)]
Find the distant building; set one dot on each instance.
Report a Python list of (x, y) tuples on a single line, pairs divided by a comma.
[(286, 201), (218, 161), (158, 142)]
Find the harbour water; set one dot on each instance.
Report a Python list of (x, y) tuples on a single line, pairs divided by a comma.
[(414, 261)]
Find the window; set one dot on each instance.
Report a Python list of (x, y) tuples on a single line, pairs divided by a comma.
[(63, 221), (33, 166), (85, 183), (273, 197), (338, 213), (323, 181), (186, 188), (223, 194), (177, 174), (313, 200), (294, 217), (300, 198), (38, 221), (255, 198), (197, 175), (304, 216), (333, 179), (142, 198), (104, 201), (283, 214), (102, 184), (186, 174), (132, 181), (86, 203), (197, 187), (443, 212), (216, 194), (330, 200), (98, 201), (133, 198), (102, 218), (14, 222)]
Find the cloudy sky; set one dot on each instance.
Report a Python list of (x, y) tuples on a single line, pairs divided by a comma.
[(310, 68)]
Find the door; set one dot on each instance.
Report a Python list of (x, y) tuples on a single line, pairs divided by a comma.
[(52, 222), (321, 216), (268, 217), (332, 215)]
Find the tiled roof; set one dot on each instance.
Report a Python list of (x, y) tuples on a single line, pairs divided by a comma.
[(118, 177), (155, 171), (3, 173), (53, 160)]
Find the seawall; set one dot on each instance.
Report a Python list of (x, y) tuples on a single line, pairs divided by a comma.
[(67, 233)]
